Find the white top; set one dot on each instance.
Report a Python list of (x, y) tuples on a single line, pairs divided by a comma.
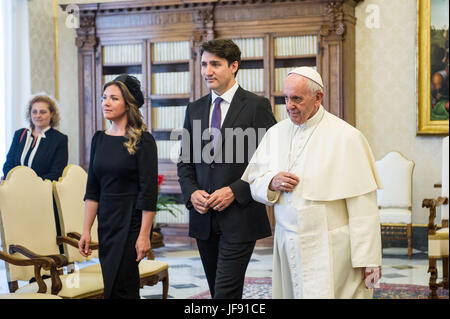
[(225, 104), (28, 143)]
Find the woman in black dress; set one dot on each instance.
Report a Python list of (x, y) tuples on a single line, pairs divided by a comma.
[(121, 188)]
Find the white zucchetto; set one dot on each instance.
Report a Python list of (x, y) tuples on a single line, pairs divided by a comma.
[(309, 73)]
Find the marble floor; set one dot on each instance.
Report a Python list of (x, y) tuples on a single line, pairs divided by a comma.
[(187, 279)]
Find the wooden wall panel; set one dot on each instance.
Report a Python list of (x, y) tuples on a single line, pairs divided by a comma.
[(196, 21)]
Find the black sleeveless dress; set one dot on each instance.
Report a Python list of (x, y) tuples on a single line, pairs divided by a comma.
[(123, 185)]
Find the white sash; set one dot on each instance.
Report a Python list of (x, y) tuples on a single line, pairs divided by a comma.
[(315, 253)]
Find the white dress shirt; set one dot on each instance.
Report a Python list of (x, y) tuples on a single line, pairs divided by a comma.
[(225, 104)]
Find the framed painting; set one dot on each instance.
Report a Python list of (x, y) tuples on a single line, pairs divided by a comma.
[(433, 67)]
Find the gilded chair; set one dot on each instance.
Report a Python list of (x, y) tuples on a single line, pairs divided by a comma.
[(395, 199), (28, 230), (438, 239), (69, 192)]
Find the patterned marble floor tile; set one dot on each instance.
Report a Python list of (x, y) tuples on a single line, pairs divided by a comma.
[(393, 275), (184, 286), (403, 267), (181, 266), (157, 296)]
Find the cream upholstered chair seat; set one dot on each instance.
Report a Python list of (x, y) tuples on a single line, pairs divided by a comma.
[(150, 272), (395, 198), (27, 220), (75, 286), (28, 296), (395, 215), (146, 267), (69, 192), (438, 243)]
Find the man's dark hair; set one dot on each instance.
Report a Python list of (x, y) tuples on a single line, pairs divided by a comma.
[(223, 48)]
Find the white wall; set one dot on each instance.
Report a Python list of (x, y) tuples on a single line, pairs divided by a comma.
[(68, 84), (43, 66), (16, 68), (386, 94)]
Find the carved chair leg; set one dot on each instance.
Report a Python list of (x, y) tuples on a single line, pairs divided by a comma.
[(433, 277), (165, 284), (409, 235), (56, 282)]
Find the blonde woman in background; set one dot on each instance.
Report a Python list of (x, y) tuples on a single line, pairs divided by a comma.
[(40, 146)]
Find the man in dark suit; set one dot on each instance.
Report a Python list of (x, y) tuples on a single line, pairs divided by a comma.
[(223, 217)]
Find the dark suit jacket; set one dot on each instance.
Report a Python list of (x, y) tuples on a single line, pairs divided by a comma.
[(245, 219), (50, 158)]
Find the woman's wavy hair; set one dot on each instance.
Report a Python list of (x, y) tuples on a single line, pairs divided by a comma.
[(136, 125), (52, 107)]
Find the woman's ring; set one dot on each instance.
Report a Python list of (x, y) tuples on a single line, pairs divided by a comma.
[(282, 184)]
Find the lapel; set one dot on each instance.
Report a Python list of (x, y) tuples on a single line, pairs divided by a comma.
[(236, 106)]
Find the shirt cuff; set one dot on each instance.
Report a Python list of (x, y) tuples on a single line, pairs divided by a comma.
[(272, 196)]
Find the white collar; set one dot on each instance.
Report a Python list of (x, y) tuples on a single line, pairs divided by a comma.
[(42, 133), (228, 95), (309, 126), (313, 121)]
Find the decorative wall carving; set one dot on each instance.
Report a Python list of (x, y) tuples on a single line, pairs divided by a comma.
[(204, 25), (127, 20), (86, 34), (259, 12), (335, 12)]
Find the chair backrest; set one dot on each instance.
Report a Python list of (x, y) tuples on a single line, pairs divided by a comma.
[(445, 153), (27, 217), (395, 173), (69, 192)]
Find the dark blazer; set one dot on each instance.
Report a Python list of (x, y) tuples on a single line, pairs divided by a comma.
[(50, 158), (245, 219)]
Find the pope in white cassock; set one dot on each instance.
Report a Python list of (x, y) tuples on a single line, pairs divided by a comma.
[(320, 175)]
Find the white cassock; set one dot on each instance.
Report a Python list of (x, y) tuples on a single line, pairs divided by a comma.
[(329, 226)]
